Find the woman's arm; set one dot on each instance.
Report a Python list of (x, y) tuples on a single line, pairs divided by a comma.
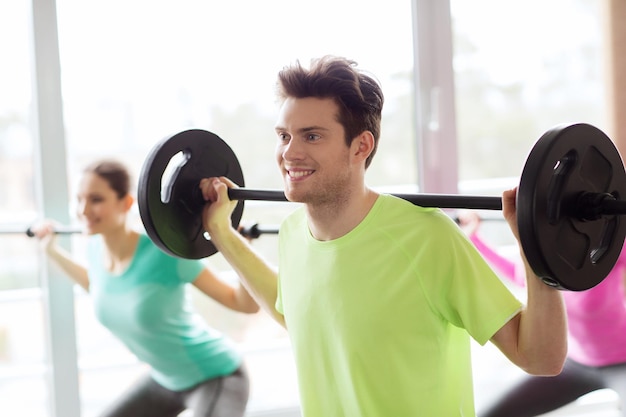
[(77, 272), (234, 297)]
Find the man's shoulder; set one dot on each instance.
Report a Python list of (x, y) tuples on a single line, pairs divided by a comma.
[(397, 206), (294, 218)]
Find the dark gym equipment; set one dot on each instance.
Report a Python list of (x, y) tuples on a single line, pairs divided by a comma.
[(19, 230), (567, 205), (568, 201), (172, 218), (255, 230)]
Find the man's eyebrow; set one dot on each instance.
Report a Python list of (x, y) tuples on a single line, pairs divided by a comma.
[(304, 129)]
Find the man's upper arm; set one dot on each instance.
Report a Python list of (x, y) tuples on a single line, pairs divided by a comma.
[(506, 338)]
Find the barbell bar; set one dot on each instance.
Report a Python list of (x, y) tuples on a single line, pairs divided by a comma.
[(21, 230), (252, 231), (425, 200), (568, 200)]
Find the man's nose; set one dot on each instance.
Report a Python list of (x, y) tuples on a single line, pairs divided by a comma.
[(292, 150)]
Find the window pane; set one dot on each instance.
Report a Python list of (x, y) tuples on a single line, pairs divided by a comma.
[(132, 77), (23, 388), (17, 203), (520, 70)]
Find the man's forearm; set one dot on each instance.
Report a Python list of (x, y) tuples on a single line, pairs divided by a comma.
[(258, 276), (543, 328)]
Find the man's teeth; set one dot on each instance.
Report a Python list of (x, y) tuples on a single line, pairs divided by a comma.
[(297, 174)]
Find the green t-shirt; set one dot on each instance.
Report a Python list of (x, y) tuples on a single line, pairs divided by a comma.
[(380, 318), (148, 309)]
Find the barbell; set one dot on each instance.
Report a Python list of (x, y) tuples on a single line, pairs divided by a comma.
[(568, 200), (251, 231), (26, 230)]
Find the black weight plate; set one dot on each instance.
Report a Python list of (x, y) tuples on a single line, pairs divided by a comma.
[(171, 207), (564, 250)]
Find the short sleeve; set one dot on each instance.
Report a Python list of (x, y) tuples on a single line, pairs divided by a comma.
[(188, 269)]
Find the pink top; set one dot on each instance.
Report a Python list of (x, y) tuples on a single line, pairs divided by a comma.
[(596, 317)]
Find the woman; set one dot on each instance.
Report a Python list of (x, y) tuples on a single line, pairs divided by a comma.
[(139, 295), (597, 340)]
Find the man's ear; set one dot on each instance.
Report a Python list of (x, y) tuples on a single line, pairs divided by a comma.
[(363, 145)]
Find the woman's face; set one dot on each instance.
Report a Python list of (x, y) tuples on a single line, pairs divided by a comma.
[(99, 206)]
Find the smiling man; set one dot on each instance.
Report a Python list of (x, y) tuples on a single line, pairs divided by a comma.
[(380, 297)]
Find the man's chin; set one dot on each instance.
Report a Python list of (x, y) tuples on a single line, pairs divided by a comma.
[(294, 197)]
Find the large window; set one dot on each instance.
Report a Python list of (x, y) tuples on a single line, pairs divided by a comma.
[(135, 72), (131, 78)]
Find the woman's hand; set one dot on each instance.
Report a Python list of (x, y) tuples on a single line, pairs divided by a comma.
[(469, 221), (44, 232)]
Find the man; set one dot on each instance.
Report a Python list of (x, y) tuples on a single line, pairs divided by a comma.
[(379, 296)]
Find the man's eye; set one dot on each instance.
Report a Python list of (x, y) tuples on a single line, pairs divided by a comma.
[(312, 137)]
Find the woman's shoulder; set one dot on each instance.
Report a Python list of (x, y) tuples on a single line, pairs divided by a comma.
[(146, 248)]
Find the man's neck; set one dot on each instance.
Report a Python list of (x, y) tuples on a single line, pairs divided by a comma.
[(331, 221)]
